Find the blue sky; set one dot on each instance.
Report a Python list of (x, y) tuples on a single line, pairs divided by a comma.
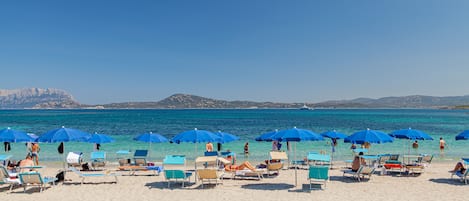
[(285, 51)]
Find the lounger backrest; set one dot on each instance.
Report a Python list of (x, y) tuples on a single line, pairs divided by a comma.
[(367, 170), (139, 153), (207, 174), (3, 173), (206, 159), (384, 158), (98, 155), (427, 158), (318, 172), (278, 155), (174, 174), (174, 160), (394, 157), (31, 178), (319, 157), (274, 166)]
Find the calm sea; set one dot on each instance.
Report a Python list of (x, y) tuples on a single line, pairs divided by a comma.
[(123, 125)]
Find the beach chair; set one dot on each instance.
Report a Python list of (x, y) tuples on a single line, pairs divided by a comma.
[(98, 159), (74, 159), (425, 160), (8, 178), (318, 174), (461, 177), (174, 167), (276, 162), (360, 173), (140, 157), (35, 179), (83, 176), (209, 175)]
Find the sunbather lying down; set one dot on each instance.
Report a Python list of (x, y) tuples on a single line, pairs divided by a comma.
[(244, 165)]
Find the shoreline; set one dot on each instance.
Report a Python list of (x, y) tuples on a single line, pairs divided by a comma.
[(429, 185)]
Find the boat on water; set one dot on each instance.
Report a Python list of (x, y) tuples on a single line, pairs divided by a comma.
[(304, 107)]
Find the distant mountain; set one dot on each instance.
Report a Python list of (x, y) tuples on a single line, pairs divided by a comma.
[(180, 101), (415, 101), (54, 98), (36, 98)]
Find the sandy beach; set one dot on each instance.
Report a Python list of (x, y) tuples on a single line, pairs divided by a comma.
[(434, 183)]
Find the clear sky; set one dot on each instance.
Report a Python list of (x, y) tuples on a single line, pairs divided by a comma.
[(285, 51)]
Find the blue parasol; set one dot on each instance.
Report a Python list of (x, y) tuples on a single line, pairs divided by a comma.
[(411, 134), (64, 135), (267, 136), (463, 136), (333, 135), (226, 137), (296, 135), (100, 138), (196, 136), (10, 135), (151, 138), (370, 136)]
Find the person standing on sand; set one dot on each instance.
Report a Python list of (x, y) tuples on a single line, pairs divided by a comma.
[(35, 152)]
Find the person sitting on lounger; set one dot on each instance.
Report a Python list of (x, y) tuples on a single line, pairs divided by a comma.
[(459, 169), (27, 162), (357, 162), (244, 165)]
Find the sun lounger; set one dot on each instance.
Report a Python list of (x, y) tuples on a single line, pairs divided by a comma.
[(209, 175), (83, 176), (279, 157), (318, 174), (257, 173), (175, 169), (35, 179), (360, 173), (140, 157), (133, 169), (98, 159), (8, 178)]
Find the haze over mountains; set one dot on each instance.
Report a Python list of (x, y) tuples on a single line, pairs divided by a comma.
[(37, 98)]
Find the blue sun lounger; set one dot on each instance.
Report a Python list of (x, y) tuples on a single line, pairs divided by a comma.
[(83, 176), (35, 179)]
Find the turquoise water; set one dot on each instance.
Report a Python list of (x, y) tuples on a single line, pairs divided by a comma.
[(123, 125)]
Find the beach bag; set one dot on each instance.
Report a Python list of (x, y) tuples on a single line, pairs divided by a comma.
[(85, 167), (60, 176)]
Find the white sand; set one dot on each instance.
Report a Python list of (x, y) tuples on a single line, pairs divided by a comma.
[(433, 184)]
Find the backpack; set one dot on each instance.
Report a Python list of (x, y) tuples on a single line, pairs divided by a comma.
[(60, 176)]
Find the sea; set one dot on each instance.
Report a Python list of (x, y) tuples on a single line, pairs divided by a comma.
[(123, 125)]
